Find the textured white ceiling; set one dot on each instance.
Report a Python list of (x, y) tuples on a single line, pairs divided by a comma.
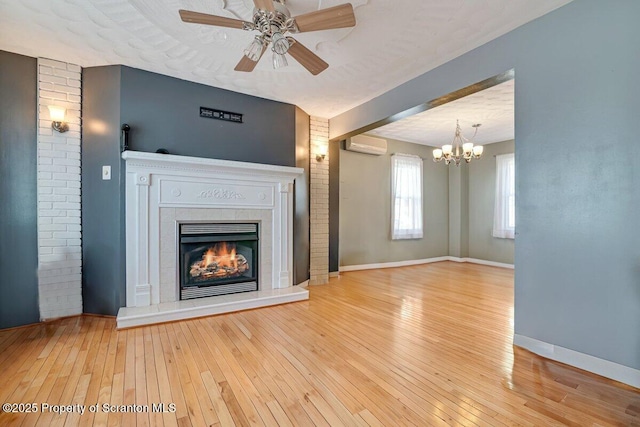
[(493, 108), (392, 42)]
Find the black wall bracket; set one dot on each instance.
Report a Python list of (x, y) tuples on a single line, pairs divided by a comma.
[(125, 136)]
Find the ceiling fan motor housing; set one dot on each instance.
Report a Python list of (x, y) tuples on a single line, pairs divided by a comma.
[(270, 23)]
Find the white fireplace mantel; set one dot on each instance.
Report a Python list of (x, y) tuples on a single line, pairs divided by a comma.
[(164, 190)]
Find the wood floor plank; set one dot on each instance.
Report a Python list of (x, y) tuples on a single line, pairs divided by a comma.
[(54, 386), (129, 382), (116, 399), (337, 352), (265, 372), (195, 413), (153, 389), (165, 396), (295, 387), (107, 379), (238, 386), (420, 345), (53, 357), (75, 374), (18, 372), (142, 419), (190, 357), (327, 403), (173, 376)]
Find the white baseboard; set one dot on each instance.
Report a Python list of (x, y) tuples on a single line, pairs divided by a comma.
[(482, 262), (392, 264), (598, 366), (422, 261)]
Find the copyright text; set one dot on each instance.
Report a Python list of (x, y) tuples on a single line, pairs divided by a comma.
[(27, 408)]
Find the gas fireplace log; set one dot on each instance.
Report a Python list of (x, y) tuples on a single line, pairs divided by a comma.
[(220, 268)]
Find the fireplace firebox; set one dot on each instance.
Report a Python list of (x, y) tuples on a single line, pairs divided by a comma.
[(218, 259)]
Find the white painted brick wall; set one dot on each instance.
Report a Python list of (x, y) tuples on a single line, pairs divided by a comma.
[(59, 227), (319, 262)]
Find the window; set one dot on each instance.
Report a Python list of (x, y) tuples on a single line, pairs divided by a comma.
[(406, 197), (504, 215)]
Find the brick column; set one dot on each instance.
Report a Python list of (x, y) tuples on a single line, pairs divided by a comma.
[(59, 228), (319, 261)]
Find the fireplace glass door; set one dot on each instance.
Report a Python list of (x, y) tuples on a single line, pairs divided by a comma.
[(218, 259)]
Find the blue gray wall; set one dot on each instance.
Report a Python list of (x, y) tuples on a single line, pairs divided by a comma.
[(577, 256), (163, 112), (482, 196), (458, 210), (465, 210), (103, 256), (334, 205), (301, 220), (18, 192), (365, 208)]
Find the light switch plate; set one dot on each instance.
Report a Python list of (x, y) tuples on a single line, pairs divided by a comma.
[(106, 172)]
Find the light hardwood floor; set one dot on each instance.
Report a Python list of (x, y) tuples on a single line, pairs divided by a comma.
[(425, 345)]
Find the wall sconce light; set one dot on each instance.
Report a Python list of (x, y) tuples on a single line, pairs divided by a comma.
[(321, 152), (57, 116)]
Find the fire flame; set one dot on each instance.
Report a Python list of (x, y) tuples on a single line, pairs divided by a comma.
[(223, 254), (219, 261)]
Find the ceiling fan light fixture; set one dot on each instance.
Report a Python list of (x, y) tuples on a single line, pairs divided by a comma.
[(274, 22), (254, 50), (279, 61), (280, 43)]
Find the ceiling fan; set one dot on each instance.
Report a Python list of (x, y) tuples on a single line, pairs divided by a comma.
[(274, 22)]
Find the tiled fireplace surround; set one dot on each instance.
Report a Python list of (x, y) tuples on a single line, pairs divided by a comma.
[(163, 191)]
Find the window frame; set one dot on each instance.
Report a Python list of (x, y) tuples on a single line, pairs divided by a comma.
[(504, 208), (407, 197)]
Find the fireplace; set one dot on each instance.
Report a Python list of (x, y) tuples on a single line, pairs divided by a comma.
[(178, 213), (218, 259)]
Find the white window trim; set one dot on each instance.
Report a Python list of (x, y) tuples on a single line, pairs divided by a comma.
[(414, 231), (505, 189)]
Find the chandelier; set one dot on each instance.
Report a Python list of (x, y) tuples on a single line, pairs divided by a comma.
[(460, 148)]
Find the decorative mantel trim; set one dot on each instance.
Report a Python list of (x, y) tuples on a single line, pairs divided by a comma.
[(197, 187), (198, 164)]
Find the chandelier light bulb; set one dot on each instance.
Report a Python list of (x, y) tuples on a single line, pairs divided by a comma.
[(447, 149), (467, 148), (437, 154), (478, 150)]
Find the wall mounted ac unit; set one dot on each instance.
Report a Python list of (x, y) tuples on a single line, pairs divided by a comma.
[(367, 144)]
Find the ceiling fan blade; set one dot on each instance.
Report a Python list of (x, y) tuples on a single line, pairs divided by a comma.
[(333, 17), (306, 58), (248, 65), (264, 5), (204, 18)]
